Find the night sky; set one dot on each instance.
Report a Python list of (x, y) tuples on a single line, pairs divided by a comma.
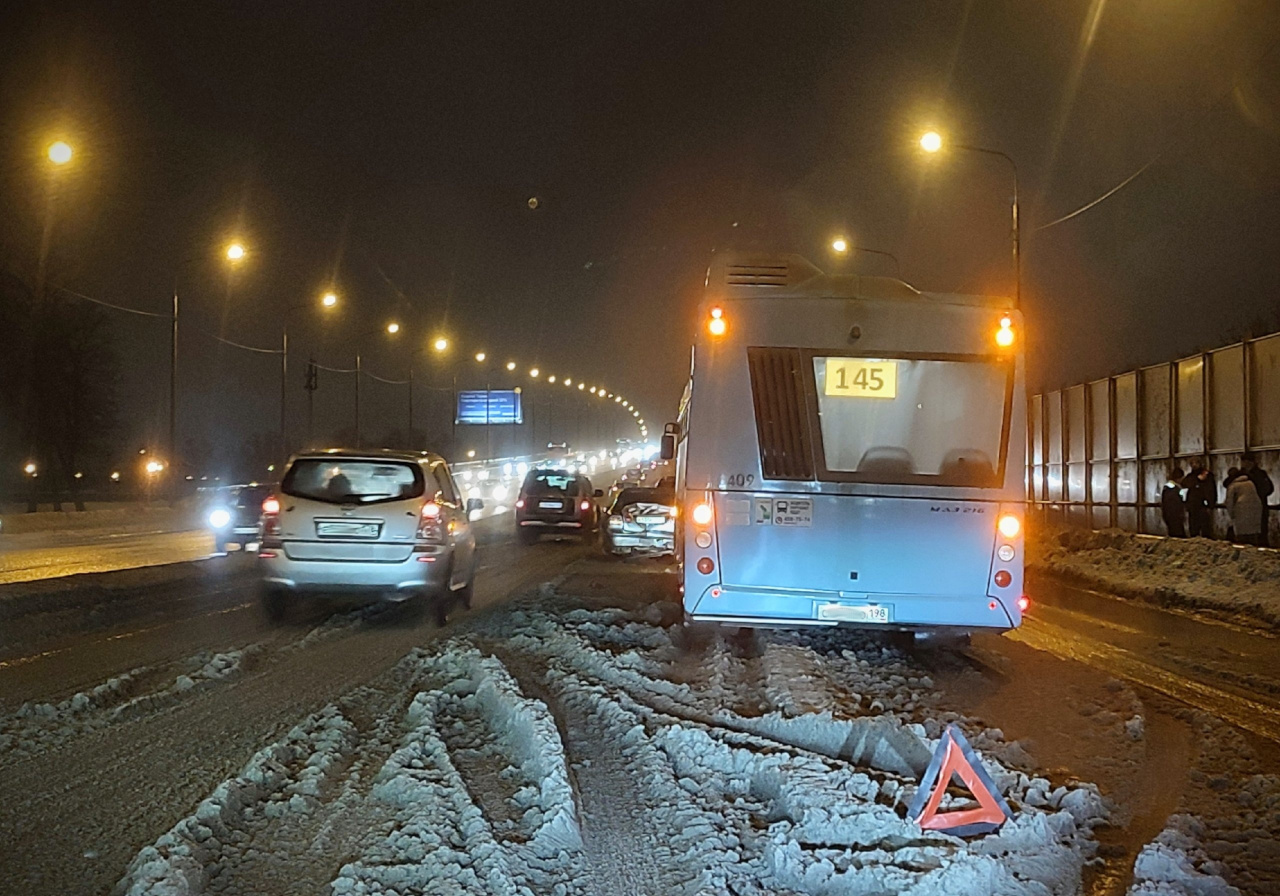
[(391, 150)]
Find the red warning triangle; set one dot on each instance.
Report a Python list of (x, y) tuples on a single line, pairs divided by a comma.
[(958, 758)]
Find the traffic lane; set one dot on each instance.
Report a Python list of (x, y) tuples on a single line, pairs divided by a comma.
[(97, 552), (71, 639), (74, 814)]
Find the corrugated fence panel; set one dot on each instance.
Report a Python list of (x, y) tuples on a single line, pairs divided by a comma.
[(1190, 406), (1100, 420), (1226, 399), (1126, 399), (1153, 410), (1264, 392), (1075, 423)]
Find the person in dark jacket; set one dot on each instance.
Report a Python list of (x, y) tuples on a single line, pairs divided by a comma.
[(1172, 508), (1202, 495), (1262, 482)]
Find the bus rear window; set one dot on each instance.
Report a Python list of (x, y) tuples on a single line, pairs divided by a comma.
[(912, 421)]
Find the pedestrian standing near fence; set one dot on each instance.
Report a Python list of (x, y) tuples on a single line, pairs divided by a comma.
[(1202, 495), (1172, 508), (1262, 483), (1245, 509)]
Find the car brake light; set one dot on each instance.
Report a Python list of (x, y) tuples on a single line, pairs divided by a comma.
[(519, 503), (430, 528), (584, 506), (1009, 525), (430, 510), (702, 514), (271, 505)]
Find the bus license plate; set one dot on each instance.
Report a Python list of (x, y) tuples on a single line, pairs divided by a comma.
[(847, 613), (853, 377)]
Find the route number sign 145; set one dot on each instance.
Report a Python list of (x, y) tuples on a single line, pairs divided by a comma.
[(857, 378)]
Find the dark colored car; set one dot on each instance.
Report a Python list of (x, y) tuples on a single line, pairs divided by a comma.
[(641, 521), (234, 513), (556, 501)]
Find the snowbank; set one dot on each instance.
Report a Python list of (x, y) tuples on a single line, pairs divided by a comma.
[(1195, 573), (114, 517), (1174, 864)]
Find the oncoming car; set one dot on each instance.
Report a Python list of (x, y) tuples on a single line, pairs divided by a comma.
[(234, 513), (388, 524), (641, 521)]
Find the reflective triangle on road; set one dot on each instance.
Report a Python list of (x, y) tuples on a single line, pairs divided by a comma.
[(955, 756)]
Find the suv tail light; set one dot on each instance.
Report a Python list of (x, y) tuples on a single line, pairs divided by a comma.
[(270, 520), (584, 506), (430, 525)]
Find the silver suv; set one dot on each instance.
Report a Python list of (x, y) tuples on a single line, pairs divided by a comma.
[(389, 523)]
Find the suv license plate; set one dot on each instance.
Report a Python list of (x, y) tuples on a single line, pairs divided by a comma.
[(550, 505), (861, 613), (347, 530)]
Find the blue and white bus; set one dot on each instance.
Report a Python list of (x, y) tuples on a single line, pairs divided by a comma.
[(850, 450)]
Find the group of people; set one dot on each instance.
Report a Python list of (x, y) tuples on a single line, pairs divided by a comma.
[(1188, 499)]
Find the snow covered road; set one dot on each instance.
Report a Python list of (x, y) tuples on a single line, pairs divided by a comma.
[(569, 736)]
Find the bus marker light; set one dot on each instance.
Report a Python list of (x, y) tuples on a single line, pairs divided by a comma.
[(992, 605), (702, 539), (706, 566), (1023, 603), (1009, 526), (1003, 578), (702, 514), (715, 592)]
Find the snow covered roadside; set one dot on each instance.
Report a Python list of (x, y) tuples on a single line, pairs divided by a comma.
[(1192, 573), (552, 749), (1176, 865)]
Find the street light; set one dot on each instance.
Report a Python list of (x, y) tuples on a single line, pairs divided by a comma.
[(552, 378), (480, 356), (329, 300), (440, 344), (534, 373), (235, 252), (30, 469), (60, 152), (931, 142), (841, 246), (511, 365)]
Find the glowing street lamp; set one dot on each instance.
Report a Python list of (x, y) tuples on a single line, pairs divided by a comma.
[(235, 252), (534, 373), (60, 152), (440, 344), (840, 244), (552, 378), (30, 469), (480, 356), (931, 142), (393, 328), (511, 365), (329, 299), (471, 453)]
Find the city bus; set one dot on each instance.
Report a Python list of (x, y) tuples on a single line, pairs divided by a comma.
[(850, 451)]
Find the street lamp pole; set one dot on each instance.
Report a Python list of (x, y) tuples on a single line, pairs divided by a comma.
[(1017, 237)]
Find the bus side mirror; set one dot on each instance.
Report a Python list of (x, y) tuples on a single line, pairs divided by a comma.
[(668, 446)]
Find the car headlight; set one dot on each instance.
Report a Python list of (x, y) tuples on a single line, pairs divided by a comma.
[(220, 518)]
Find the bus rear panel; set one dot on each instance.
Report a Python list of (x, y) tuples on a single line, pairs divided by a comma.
[(845, 454)]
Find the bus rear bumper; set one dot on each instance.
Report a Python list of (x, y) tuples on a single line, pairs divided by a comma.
[(763, 607)]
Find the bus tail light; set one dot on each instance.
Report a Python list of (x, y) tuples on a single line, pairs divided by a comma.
[(1003, 578), (701, 514), (717, 325), (1023, 603), (1009, 525), (706, 566), (1005, 336)]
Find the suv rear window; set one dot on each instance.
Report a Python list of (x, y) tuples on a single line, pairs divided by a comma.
[(340, 480), (551, 482)]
